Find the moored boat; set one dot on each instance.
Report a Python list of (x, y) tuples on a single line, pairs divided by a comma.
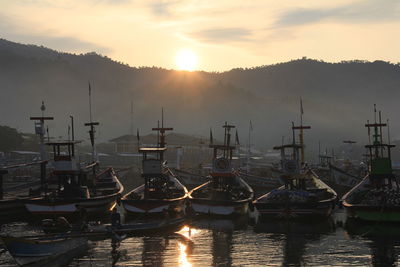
[(226, 193), (377, 196), (72, 189), (162, 194), (303, 195), (44, 252)]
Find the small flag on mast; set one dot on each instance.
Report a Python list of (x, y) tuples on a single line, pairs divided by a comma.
[(137, 135), (237, 138), (251, 126), (301, 106), (211, 137)]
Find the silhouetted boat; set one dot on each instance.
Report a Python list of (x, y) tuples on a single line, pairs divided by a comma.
[(225, 193), (303, 195), (12, 198), (162, 193), (377, 196), (72, 189), (44, 252)]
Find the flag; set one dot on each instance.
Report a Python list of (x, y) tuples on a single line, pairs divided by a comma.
[(90, 89), (301, 106), (237, 138), (251, 126), (137, 135), (211, 137)]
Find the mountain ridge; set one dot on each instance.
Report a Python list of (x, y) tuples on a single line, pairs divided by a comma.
[(337, 97)]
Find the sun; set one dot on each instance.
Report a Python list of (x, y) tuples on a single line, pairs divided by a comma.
[(186, 60)]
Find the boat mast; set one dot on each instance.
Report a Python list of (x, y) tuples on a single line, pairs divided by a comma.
[(161, 133), (301, 133), (40, 130), (380, 165), (249, 147), (227, 140), (92, 125)]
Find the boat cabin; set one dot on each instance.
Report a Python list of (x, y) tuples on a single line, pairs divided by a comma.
[(290, 164), (69, 179), (222, 173), (379, 153)]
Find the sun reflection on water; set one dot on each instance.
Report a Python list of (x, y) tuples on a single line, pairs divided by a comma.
[(188, 232), (183, 259)]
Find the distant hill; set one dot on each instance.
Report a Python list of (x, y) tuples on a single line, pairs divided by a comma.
[(337, 97)]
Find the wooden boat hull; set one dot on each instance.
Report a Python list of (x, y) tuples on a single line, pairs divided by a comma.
[(377, 212), (294, 210), (373, 213), (45, 206), (211, 203), (153, 206), (50, 252), (219, 208)]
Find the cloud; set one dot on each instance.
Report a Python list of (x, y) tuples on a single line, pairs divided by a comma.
[(223, 35), (162, 8), (16, 33), (360, 12)]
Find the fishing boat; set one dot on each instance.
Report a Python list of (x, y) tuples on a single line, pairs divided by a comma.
[(14, 191), (377, 196), (226, 193), (72, 189), (303, 194), (44, 252), (162, 194)]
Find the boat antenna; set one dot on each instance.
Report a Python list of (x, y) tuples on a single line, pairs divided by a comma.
[(138, 138), (211, 137), (72, 127), (369, 134), (380, 131), (249, 147), (92, 125), (162, 117), (158, 133), (161, 132), (131, 117), (294, 141), (388, 131), (90, 103)]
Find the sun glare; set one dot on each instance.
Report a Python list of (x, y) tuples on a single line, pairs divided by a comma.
[(186, 60)]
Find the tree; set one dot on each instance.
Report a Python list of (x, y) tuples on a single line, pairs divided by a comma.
[(9, 138)]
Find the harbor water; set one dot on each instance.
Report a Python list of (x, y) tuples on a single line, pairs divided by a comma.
[(222, 242)]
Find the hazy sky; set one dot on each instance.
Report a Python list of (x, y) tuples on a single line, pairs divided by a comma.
[(224, 34)]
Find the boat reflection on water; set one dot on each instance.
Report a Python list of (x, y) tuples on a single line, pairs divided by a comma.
[(384, 240), (168, 250), (222, 236), (294, 236)]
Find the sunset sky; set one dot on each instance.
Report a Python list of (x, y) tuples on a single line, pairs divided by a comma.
[(217, 35)]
